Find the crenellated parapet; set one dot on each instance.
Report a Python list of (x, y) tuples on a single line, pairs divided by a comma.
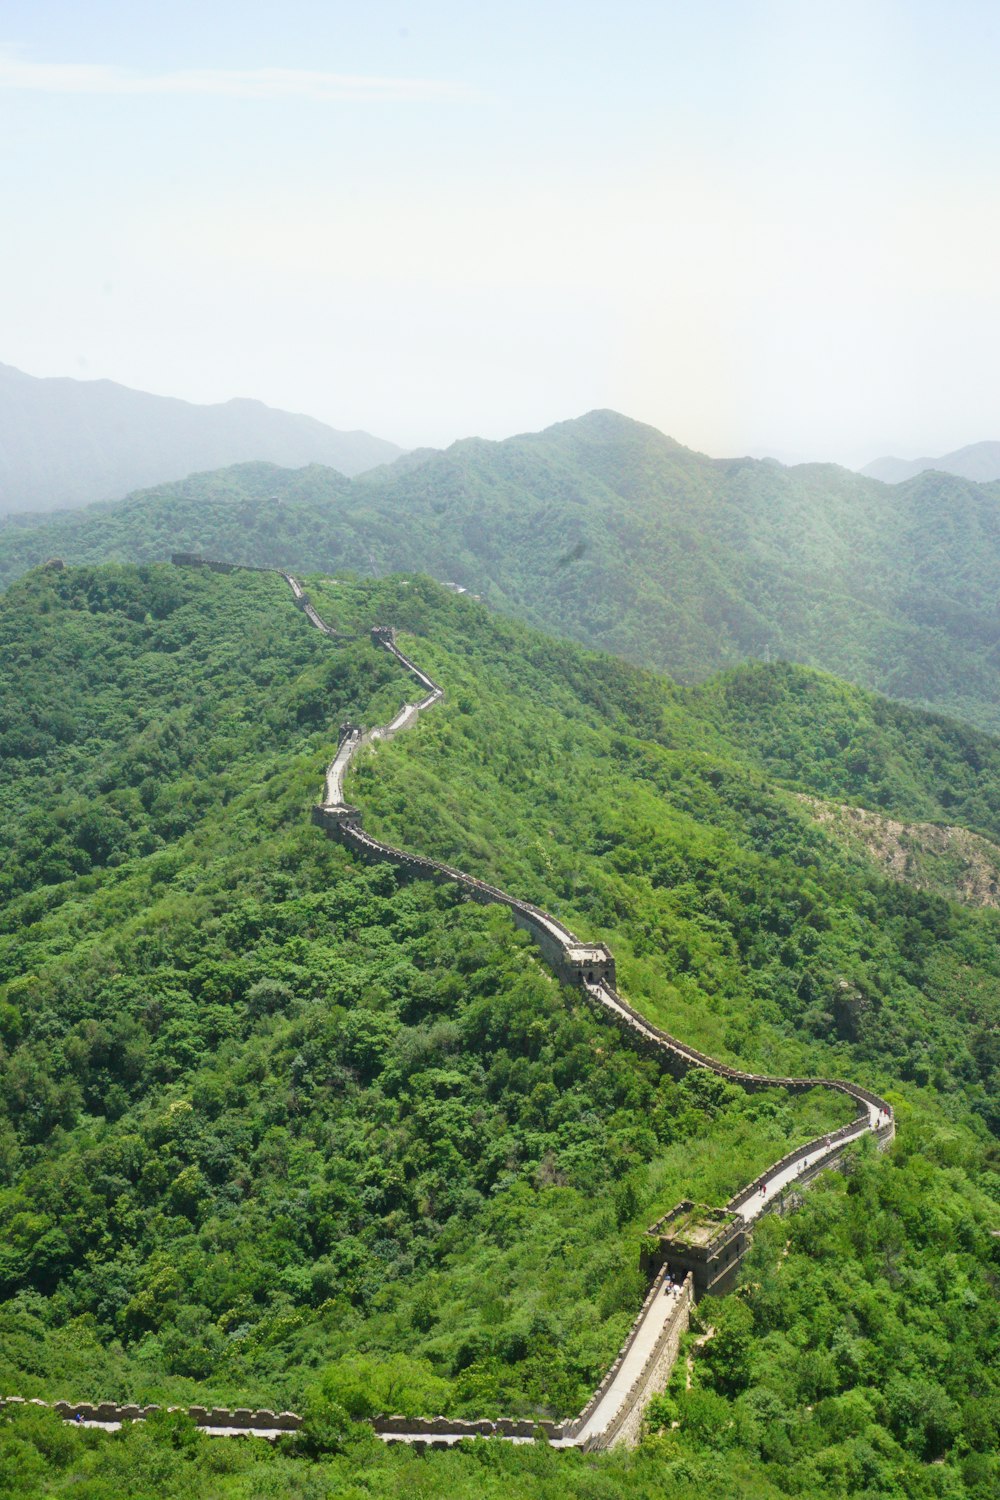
[(694, 1249), (215, 1421), (195, 560)]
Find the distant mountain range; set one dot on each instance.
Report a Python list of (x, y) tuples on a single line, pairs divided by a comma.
[(605, 530), (67, 442), (979, 461)]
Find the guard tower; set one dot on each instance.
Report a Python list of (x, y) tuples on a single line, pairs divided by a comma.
[(708, 1242), (335, 819), (588, 963)]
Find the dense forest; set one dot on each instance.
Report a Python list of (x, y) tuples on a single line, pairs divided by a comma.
[(605, 530), (278, 1129)]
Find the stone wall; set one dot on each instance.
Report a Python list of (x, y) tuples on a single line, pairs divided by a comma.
[(195, 560), (607, 1380), (239, 1418), (590, 967), (556, 942), (835, 1143), (443, 1432), (626, 1427)]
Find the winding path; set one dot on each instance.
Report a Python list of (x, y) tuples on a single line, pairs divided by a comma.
[(614, 1412)]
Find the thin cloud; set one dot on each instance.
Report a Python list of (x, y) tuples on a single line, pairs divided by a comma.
[(252, 83)]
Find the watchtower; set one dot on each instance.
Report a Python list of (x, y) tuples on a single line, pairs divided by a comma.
[(588, 963), (335, 819), (708, 1242)]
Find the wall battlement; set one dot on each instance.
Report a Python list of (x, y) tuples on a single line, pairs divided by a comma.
[(702, 1262), (216, 1419), (689, 1251)]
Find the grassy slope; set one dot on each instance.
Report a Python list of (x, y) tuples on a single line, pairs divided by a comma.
[(819, 735)]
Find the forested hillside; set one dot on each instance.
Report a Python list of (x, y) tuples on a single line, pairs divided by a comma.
[(604, 530), (279, 1129)]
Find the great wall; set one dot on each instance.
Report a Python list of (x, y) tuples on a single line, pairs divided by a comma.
[(692, 1251)]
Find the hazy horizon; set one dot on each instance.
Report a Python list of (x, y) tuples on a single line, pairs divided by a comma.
[(777, 453), (757, 230)]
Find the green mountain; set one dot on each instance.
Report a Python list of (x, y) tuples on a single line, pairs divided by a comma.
[(69, 442), (606, 531), (282, 1129)]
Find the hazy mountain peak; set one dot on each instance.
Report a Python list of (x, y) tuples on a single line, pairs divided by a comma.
[(977, 461), (603, 424), (66, 442), (604, 529)]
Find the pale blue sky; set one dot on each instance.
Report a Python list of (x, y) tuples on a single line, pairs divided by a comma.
[(760, 226)]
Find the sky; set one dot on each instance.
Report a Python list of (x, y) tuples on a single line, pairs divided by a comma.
[(763, 226)]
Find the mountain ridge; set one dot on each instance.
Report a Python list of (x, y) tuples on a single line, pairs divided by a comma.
[(66, 442), (284, 1127), (607, 531), (979, 462)]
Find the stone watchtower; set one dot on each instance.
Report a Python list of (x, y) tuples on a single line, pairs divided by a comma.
[(708, 1242), (335, 819), (588, 963)]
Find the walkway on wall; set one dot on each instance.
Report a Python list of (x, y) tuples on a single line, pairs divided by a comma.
[(614, 1412), (666, 1302)]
